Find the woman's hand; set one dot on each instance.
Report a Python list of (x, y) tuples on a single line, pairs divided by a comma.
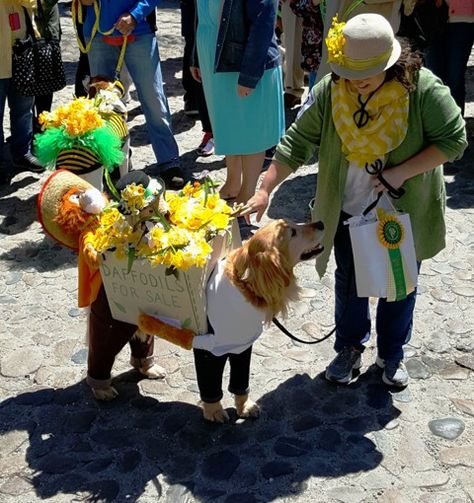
[(258, 203), (394, 177), (196, 73), (125, 24), (243, 91)]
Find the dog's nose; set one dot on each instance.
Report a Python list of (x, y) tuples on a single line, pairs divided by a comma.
[(318, 225)]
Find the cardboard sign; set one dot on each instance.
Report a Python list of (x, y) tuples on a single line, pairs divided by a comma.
[(178, 296)]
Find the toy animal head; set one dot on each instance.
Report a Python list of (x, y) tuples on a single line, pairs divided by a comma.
[(76, 209), (262, 268), (66, 206)]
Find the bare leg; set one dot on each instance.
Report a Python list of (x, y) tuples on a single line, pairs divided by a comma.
[(251, 168), (233, 182)]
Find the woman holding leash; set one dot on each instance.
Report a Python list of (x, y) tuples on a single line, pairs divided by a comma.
[(379, 107), (239, 65)]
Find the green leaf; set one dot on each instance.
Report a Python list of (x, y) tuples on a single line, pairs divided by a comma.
[(131, 258), (186, 323), (110, 185), (119, 307), (172, 271)]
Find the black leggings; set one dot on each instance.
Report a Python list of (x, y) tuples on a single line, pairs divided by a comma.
[(210, 368)]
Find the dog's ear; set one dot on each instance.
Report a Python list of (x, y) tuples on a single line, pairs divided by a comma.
[(267, 266)]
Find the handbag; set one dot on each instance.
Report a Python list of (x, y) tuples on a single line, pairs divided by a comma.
[(384, 253), (426, 24), (37, 64)]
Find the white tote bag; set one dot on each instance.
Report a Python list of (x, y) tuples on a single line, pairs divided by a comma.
[(384, 253)]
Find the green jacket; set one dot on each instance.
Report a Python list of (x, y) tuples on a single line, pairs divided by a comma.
[(433, 119)]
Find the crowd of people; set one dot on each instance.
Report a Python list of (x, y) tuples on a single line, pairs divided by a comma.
[(372, 97)]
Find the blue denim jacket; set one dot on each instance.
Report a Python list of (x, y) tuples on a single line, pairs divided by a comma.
[(246, 41)]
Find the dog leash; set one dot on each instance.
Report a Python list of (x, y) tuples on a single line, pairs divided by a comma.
[(294, 338)]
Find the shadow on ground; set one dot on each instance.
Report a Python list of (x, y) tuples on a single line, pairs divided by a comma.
[(308, 428), (19, 213), (291, 199)]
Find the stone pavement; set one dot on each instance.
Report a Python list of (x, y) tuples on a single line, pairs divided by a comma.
[(314, 442)]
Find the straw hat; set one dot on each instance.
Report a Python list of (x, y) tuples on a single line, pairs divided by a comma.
[(368, 46), (49, 198)]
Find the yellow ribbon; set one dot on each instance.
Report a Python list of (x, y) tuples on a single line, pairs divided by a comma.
[(366, 64)]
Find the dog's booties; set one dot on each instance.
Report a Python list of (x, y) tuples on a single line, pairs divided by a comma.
[(102, 389), (246, 407), (106, 394), (148, 367), (214, 412)]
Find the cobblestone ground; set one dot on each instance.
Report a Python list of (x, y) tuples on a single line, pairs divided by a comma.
[(313, 443)]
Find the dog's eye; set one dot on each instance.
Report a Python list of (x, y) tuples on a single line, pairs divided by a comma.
[(293, 233)]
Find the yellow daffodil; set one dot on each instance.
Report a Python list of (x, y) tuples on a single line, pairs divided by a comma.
[(133, 198), (77, 118), (335, 42), (181, 239)]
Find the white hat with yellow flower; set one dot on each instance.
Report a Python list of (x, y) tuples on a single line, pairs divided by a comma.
[(362, 47)]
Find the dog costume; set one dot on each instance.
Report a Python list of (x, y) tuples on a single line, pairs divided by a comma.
[(68, 142), (67, 209)]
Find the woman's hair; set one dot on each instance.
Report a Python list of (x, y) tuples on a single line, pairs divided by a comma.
[(405, 70)]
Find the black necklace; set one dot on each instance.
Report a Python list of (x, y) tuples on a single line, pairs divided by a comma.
[(361, 116)]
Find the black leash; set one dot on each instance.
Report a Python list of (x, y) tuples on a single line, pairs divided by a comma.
[(294, 338)]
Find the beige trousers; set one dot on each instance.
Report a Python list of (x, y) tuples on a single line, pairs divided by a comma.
[(291, 38)]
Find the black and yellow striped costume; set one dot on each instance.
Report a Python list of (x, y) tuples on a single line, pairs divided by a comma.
[(82, 160), (118, 125)]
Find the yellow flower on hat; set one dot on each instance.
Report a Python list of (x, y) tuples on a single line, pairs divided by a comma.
[(335, 41)]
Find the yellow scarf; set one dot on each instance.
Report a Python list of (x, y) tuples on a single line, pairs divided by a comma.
[(387, 125)]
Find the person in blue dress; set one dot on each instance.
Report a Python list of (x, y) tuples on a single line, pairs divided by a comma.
[(238, 62)]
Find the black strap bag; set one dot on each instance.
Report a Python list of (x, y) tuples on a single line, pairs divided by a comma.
[(37, 64)]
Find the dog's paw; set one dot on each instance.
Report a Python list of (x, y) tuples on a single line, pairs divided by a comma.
[(105, 394), (153, 372), (90, 255), (247, 408), (215, 412)]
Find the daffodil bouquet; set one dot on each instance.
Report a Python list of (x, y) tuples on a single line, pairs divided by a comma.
[(174, 229)]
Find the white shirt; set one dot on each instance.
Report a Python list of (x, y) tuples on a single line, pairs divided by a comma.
[(358, 190), (236, 323)]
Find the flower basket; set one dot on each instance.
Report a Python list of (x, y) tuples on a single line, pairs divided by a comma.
[(157, 255)]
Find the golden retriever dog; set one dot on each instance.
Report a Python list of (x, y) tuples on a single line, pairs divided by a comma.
[(248, 288)]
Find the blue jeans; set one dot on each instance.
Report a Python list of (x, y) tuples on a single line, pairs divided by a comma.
[(143, 62), (21, 125), (447, 58), (394, 320)]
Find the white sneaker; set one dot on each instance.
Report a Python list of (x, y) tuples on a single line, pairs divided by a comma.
[(395, 372), (206, 148)]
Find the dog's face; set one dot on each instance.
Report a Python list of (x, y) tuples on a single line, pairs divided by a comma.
[(262, 268), (101, 83), (296, 242)]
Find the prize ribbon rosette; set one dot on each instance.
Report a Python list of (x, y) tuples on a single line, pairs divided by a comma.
[(390, 234)]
